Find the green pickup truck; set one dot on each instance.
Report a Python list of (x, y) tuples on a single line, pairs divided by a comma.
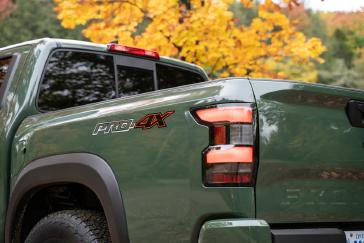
[(109, 143)]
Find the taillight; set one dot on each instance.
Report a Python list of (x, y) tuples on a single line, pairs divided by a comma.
[(132, 51), (230, 158)]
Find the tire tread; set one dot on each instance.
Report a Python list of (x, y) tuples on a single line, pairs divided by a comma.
[(86, 225)]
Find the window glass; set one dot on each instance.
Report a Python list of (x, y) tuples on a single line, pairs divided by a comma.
[(132, 80), (169, 77), (4, 66), (76, 78)]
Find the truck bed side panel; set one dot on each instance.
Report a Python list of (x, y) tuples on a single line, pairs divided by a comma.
[(311, 165), (158, 169)]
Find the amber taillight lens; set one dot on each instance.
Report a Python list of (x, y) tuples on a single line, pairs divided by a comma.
[(230, 158)]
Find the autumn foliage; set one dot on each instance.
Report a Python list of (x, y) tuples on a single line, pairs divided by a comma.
[(349, 21), (6, 7), (204, 32)]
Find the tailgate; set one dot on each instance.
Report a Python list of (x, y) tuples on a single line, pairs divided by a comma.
[(311, 166)]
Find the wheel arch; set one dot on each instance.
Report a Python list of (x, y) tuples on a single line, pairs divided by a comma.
[(82, 168)]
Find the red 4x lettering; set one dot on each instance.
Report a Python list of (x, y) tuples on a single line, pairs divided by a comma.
[(153, 119)]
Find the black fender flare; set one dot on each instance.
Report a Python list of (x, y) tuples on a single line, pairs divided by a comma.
[(82, 168)]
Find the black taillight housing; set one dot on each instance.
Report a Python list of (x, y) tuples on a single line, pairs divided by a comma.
[(231, 157)]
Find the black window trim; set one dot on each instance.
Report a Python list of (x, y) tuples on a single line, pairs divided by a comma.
[(116, 78), (15, 57), (134, 62), (148, 64)]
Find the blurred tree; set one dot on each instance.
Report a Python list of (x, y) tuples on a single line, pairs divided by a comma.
[(359, 69), (353, 21), (344, 59), (243, 15), (204, 32), (6, 7), (316, 27), (32, 19), (343, 47), (339, 74)]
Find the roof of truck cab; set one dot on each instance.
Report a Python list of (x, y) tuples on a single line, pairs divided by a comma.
[(85, 45)]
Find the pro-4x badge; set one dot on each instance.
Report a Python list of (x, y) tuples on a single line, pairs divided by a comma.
[(153, 119), (147, 122)]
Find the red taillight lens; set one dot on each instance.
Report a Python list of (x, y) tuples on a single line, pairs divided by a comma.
[(230, 178), (228, 174), (222, 154), (226, 114), (230, 158), (219, 135), (132, 51)]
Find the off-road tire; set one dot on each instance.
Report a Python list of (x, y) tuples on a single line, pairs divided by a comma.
[(71, 226)]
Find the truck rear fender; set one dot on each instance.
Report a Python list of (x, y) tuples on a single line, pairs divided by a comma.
[(82, 168)]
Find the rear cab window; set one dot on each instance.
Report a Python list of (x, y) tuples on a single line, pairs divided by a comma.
[(73, 78), (134, 75), (170, 76), (77, 77), (133, 80)]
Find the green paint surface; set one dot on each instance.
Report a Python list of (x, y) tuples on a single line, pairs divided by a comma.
[(310, 158), (311, 166)]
